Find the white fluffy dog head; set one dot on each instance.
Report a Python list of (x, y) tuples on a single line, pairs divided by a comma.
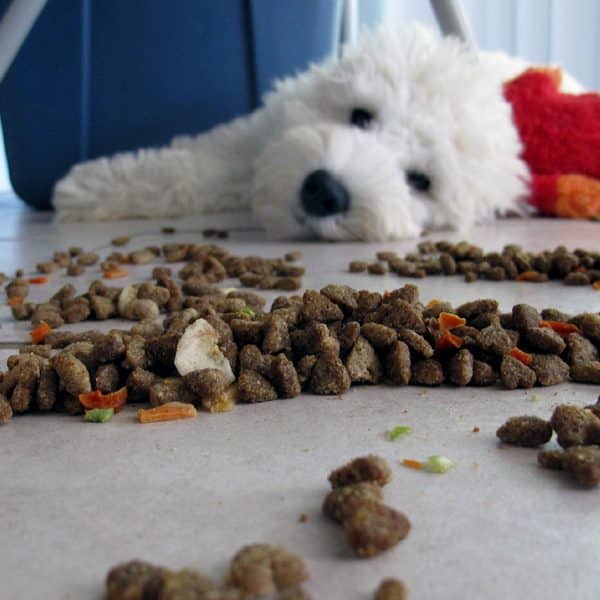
[(402, 133)]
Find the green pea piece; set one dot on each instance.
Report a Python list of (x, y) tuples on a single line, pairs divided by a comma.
[(398, 432), (99, 415), (438, 464)]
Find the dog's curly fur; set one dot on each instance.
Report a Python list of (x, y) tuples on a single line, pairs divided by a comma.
[(438, 109)]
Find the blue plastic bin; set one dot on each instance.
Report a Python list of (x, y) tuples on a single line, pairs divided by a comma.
[(99, 76)]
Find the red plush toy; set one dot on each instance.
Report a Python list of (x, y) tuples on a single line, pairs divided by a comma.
[(561, 143)]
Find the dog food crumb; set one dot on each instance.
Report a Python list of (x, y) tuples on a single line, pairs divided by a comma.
[(514, 374), (372, 529), (366, 468), (582, 462), (575, 426), (341, 502), (134, 580), (358, 266), (586, 372), (550, 369), (391, 589), (525, 431), (329, 375), (428, 371), (261, 569), (253, 387)]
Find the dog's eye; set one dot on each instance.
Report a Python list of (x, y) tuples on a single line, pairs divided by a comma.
[(418, 181), (361, 117)]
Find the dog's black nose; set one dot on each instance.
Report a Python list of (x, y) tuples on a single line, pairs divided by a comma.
[(323, 195)]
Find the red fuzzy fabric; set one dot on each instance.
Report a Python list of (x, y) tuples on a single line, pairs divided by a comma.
[(560, 132)]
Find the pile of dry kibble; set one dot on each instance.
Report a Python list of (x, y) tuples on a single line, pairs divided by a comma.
[(580, 267), (577, 432), (205, 265), (321, 342)]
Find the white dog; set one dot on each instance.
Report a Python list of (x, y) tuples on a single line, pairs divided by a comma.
[(406, 131)]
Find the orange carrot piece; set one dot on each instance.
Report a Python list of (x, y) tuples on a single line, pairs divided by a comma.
[(97, 399), (596, 285), (580, 269), (450, 320), (115, 273), (528, 276), (171, 411), (432, 303), (448, 341), (413, 464), (563, 329), (40, 332), (14, 300), (521, 356), (40, 279)]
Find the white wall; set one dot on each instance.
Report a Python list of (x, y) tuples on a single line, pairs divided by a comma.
[(564, 32)]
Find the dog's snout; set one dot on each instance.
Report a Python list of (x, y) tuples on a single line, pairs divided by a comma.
[(322, 195)]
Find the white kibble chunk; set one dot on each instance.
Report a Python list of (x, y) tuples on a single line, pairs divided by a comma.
[(198, 349), (126, 297)]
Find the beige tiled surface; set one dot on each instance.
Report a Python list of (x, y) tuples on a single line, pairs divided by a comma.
[(76, 498)]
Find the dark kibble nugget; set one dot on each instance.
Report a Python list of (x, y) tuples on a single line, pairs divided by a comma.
[(366, 468), (374, 529), (525, 431), (391, 589)]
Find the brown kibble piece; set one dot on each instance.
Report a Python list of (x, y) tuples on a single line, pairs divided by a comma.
[(284, 377), (494, 339), (329, 375), (358, 266), (417, 343), (579, 350), (469, 310), (107, 378), (261, 569), (428, 371), (377, 268), (365, 468), (575, 426), (342, 295), (72, 373), (586, 372), (460, 368), (138, 384), (253, 387), (398, 364), (276, 336), (525, 316), (483, 374), (525, 431), (545, 340), (362, 363), (170, 390), (317, 307), (206, 383), (391, 589), (582, 462), (372, 530), (514, 374), (379, 335), (550, 369), (341, 502), (135, 580)]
